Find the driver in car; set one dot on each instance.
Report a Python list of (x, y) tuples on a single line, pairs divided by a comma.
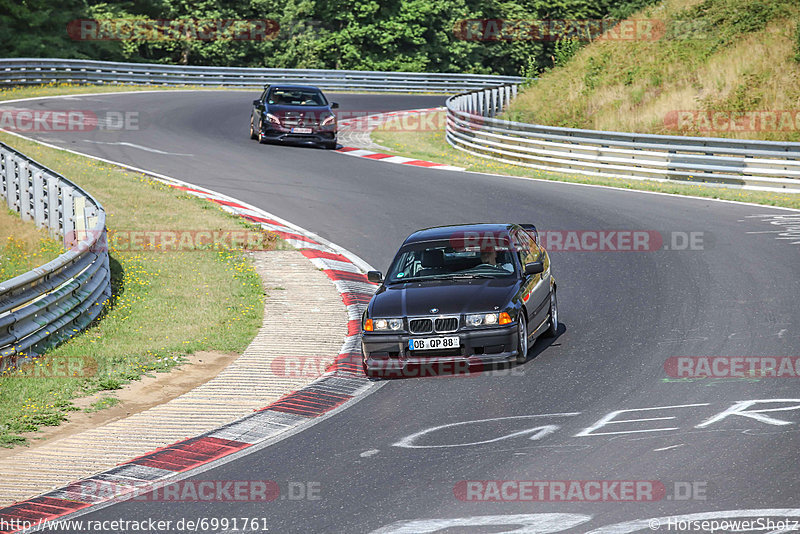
[(489, 257)]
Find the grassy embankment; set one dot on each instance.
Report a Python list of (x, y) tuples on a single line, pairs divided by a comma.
[(709, 56)]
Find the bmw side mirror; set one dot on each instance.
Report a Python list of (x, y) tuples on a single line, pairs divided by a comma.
[(334, 105), (534, 267), (256, 102), (375, 277)]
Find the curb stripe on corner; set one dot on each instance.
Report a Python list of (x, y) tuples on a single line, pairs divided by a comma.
[(371, 122)]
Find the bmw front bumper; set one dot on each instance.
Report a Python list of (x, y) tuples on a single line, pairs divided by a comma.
[(479, 347)]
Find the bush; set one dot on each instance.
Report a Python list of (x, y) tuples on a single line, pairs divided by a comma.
[(564, 50), (797, 43)]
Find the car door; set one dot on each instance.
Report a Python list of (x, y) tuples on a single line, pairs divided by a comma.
[(537, 286), (258, 107)]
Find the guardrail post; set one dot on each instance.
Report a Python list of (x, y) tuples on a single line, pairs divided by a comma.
[(51, 192), (3, 183), (12, 183), (24, 192), (67, 216), (79, 209), (39, 199), (500, 100)]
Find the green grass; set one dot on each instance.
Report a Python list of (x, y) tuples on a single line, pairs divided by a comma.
[(165, 305), (430, 145), (22, 246), (106, 401)]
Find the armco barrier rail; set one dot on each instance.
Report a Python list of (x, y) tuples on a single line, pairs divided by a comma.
[(473, 126), (27, 71), (45, 305)]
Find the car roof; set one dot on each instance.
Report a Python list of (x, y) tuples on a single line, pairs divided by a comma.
[(304, 87), (438, 233)]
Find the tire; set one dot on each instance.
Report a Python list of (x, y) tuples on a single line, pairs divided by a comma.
[(253, 134), (372, 375), (522, 338), (260, 134), (553, 328), (329, 145)]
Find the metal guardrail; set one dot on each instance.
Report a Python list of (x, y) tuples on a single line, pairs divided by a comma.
[(27, 71), (473, 127), (46, 305)]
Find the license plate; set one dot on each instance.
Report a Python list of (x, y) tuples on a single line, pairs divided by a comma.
[(302, 130), (431, 343)]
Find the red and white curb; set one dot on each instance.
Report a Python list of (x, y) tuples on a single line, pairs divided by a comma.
[(371, 122), (344, 381)]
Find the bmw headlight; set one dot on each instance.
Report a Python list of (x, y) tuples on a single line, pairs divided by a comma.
[(482, 319), (387, 325), (488, 319)]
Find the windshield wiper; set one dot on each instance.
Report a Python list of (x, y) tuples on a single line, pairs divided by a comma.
[(471, 275), (411, 279), (465, 276)]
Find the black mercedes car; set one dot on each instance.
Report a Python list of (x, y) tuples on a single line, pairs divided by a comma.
[(297, 113), (467, 294)]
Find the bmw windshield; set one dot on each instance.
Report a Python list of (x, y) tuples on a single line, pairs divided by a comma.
[(441, 260)]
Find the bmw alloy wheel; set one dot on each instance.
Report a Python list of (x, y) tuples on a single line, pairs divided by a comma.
[(522, 350)]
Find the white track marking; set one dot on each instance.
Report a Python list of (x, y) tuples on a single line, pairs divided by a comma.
[(133, 145), (608, 420), (668, 448), (527, 523), (538, 432), (741, 409)]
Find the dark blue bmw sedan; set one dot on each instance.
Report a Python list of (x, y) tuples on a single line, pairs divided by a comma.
[(460, 295)]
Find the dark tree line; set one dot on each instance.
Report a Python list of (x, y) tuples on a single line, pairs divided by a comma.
[(405, 35)]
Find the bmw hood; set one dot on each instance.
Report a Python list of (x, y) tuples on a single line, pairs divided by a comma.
[(450, 297)]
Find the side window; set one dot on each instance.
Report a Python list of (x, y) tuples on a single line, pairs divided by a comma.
[(407, 266), (527, 249)]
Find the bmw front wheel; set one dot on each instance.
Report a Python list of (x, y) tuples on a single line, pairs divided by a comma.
[(553, 328), (522, 331)]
